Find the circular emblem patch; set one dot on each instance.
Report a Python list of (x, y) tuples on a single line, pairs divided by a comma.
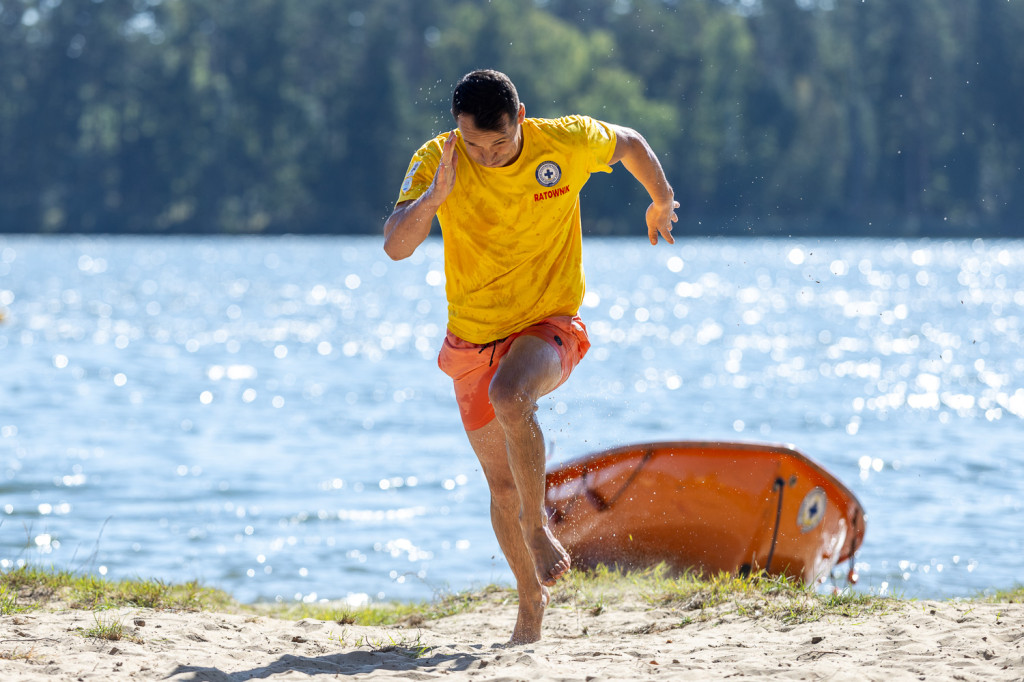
[(548, 173), (812, 510)]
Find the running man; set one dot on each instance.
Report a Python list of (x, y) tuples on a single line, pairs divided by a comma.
[(505, 189)]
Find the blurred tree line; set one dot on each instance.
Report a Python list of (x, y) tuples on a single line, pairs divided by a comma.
[(266, 116)]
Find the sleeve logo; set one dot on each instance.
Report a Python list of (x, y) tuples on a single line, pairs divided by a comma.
[(548, 173), (407, 183)]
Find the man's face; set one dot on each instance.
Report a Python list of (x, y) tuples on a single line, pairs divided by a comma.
[(492, 148)]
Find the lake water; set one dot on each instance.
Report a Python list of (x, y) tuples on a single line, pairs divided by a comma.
[(266, 415)]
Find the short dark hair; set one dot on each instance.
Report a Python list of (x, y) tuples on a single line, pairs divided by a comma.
[(488, 96)]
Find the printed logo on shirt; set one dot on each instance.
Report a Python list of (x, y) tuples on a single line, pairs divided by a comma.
[(548, 173), (407, 183), (551, 193)]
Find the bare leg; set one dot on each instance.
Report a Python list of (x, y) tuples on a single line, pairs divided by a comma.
[(531, 369), (491, 450)]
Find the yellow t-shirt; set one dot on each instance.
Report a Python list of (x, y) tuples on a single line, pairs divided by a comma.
[(512, 236)]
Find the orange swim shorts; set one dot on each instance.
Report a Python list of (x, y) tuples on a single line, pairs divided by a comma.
[(472, 366)]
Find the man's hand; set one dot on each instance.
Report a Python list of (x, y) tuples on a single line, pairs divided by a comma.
[(637, 156), (444, 178), (410, 222), (659, 221)]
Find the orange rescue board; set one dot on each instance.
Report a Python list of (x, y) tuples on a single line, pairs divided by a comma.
[(734, 507)]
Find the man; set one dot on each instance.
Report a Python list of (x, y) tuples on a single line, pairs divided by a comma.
[(505, 189)]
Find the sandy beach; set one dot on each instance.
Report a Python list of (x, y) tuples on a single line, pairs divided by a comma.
[(925, 640)]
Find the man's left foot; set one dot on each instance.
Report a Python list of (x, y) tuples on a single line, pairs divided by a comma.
[(550, 557)]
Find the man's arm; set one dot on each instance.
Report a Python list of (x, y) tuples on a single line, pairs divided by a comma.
[(409, 224), (639, 159)]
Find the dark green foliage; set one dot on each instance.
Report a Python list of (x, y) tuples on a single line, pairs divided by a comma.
[(267, 116)]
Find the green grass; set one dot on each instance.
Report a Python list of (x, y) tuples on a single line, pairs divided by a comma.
[(1011, 596), (9, 602), (699, 597), (692, 597), (29, 587), (389, 613)]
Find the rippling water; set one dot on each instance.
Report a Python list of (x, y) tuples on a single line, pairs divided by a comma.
[(266, 415)]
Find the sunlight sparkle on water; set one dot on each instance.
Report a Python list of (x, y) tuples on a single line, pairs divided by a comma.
[(210, 393)]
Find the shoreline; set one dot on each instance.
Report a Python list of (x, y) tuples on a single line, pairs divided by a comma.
[(604, 627)]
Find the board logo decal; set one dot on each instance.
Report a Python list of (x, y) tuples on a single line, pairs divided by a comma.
[(548, 173), (812, 510)]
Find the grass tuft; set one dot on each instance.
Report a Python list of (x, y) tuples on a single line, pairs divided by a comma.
[(17, 654), (9, 602), (112, 630)]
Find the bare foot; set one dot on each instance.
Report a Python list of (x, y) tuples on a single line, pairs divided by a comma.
[(529, 620), (549, 556)]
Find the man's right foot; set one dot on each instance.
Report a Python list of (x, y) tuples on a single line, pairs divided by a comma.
[(529, 620)]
